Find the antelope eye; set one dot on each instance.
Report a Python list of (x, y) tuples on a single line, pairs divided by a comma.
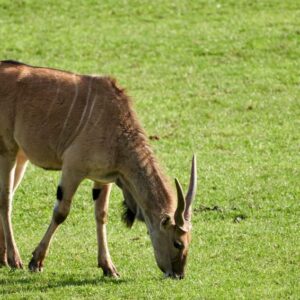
[(178, 245)]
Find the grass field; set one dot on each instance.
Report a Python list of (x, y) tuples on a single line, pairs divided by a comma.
[(218, 78)]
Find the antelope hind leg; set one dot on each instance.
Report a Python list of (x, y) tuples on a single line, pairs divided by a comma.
[(18, 175), (69, 182), (101, 199), (3, 255), (9, 248), (20, 169)]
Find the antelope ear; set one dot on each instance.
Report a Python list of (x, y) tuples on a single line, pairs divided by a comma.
[(186, 227), (166, 222)]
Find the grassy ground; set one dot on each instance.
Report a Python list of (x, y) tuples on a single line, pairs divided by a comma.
[(218, 78)]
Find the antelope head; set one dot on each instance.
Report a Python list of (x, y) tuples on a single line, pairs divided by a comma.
[(172, 238)]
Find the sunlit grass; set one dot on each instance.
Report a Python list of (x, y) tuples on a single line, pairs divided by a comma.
[(218, 78)]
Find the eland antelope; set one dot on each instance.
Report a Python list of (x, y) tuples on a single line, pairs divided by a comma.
[(86, 127)]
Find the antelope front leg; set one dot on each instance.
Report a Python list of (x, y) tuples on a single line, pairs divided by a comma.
[(101, 198), (65, 191)]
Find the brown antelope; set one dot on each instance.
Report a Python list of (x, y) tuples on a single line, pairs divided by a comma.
[(85, 126)]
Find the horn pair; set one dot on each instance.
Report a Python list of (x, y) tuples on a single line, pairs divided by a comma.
[(184, 206)]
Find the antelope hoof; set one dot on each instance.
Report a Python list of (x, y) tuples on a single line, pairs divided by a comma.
[(110, 271), (15, 262), (3, 259), (3, 262), (35, 266)]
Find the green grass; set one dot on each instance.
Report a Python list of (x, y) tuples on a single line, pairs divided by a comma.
[(218, 78)]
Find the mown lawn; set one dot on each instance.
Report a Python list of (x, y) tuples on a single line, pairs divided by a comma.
[(218, 78)]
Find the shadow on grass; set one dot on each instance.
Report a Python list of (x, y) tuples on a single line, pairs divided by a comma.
[(34, 283)]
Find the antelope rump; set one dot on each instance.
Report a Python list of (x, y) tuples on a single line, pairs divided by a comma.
[(86, 127)]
